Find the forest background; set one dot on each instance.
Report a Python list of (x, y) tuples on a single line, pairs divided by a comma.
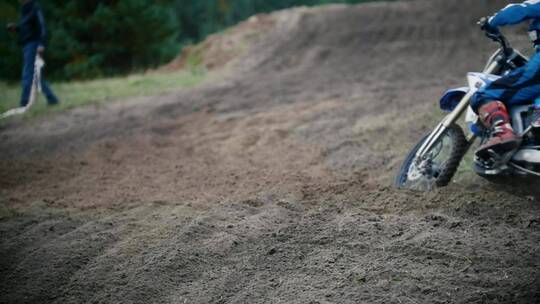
[(102, 38)]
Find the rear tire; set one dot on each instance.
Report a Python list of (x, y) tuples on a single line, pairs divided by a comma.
[(456, 144)]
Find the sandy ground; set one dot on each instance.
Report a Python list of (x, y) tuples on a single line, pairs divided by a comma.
[(271, 185)]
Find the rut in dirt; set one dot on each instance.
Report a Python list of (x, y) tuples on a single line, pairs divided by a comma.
[(272, 184)]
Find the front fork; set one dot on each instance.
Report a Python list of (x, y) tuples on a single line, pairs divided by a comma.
[(451, 118)]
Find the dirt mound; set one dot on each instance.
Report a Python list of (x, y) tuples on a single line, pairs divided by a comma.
[(271, 184), (220, 49)]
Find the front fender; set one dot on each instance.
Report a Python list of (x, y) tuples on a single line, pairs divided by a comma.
[(451, 98)]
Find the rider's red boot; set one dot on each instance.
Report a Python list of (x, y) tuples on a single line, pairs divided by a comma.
[(503, 139)]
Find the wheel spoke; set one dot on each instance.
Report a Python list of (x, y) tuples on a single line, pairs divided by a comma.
[(437, 166), (425, 177)]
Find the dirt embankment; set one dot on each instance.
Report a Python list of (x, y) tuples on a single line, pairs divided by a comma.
[(272, 184)]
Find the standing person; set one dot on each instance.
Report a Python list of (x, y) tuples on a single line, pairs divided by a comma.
[(33, 39)]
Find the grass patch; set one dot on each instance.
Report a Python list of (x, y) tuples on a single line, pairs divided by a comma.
[(79, 93), (195, 60)]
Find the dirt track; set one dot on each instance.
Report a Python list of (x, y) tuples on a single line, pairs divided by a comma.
[(271, 185)]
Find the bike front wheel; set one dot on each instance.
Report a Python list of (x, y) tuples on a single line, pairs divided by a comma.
[(438, 165)]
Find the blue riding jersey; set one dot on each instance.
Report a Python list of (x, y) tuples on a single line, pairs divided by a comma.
[(517, 13), (521, 86)]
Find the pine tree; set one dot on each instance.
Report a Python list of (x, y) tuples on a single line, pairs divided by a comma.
[(10, 52), (95, 38), (99, 37)]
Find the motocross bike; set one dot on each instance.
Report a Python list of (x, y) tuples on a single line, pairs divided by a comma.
[(435, 159)]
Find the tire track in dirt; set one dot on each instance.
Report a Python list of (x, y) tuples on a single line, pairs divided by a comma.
[(270, 185)]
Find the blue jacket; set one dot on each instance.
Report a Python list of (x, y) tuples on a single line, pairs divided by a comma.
[(31, 26)]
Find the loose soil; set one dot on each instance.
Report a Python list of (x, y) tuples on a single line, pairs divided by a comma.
[(272, 184)]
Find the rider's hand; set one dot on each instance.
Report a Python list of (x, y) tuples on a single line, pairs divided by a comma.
[(41, 49), (487, 27)]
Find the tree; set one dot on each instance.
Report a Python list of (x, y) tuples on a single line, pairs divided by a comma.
[(97, 38), (10, 52), (201, 18)]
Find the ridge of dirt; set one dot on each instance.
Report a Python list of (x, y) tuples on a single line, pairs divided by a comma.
[(220, 49), (273, 184)]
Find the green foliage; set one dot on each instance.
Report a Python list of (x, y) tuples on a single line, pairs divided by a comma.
[(201, 18), (10, 52), (99, 38), (78, 93), (195, 60)]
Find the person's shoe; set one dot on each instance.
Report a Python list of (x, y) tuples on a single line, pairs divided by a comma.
[(503, 139)]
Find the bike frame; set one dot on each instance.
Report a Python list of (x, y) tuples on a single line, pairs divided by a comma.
[(458, 101), (495, 63)]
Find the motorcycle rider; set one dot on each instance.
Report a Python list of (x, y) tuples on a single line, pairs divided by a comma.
[(518, 87)]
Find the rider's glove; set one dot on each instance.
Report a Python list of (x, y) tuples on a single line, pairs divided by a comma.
[(487, 27)]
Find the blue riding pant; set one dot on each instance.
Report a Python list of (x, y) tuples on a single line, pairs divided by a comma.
[(520, 87), (29, 55)]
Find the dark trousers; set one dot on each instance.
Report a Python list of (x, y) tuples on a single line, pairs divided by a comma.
[(29, 55)]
